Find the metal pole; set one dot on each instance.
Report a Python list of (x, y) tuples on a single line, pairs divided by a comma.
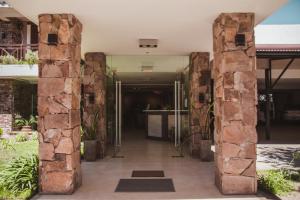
[(267, 84), (120, 113), (117, 100), (175, 112), (179, 108)]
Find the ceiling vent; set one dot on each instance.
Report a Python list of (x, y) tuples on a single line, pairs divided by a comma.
[(148, 43)]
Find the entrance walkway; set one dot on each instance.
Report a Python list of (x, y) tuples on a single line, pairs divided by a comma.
[(192, 178)]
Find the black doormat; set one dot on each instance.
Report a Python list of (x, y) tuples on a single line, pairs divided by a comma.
[(145, 185), (147, 173)]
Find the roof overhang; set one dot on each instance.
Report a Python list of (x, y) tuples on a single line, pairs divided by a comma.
[(114, 27)]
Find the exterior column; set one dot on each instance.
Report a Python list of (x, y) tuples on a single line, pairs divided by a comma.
[(235, 103), (199, 94), (6, 105), (59, 103), (94, 92)]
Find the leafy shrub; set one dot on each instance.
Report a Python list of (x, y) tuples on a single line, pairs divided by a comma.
[(22, 137), (1, 132), (31, 57), (291, 174), (34, 136), (24, 122), (6, 144), (20, 176), (275, 181), (8, 60), (296, 155)]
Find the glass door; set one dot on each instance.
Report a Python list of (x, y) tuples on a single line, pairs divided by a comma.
[(118, 119)]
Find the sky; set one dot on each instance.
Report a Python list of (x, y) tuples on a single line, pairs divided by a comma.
[(288, 14)]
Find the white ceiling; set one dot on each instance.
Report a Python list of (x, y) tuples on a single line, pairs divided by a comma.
[(114, 26)]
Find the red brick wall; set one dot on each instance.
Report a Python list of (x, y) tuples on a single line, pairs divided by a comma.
[(6, 105)]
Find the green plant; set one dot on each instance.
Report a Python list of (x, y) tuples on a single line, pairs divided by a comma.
[(31, 57), (34, 136), (275, 181), (8, 60), (22, 137), (6, 144), (1, 132), (20, 176), (24, 122), (296, 155), (90, 132)]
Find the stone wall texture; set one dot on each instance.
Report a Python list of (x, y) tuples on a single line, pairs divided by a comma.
[(235, 104), (6, 105), (199, 86), (94, 96), (59, 104)]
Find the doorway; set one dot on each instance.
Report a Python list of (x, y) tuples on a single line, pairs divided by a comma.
[(150, 109)]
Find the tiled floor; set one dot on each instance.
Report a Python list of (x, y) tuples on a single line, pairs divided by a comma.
[(192, 179)]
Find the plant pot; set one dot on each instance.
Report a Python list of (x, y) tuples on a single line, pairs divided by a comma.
[(26, 129), (90, 150), (205, 150)]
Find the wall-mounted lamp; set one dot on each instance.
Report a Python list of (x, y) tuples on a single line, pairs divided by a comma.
[(240, 40), (92, 98), (2, 35), (202, 98), (52, 39)]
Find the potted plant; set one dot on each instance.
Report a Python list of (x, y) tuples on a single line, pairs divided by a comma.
[(89, 136), (26, 125), (205, 134)]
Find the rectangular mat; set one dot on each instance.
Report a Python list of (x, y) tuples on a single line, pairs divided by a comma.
[(145, 185), (147, 173)]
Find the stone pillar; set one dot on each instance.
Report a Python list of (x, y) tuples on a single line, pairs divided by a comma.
[(94, 96), (199, 94), (58, 104), (235, 104), (6, 105)]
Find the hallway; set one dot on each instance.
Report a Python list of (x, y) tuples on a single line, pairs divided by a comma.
[(192, 178)]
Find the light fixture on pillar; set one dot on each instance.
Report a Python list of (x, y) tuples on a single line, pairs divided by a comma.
[(52, 39), (240, 40)]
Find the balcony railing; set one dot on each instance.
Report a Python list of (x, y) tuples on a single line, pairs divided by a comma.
[(17, 50)]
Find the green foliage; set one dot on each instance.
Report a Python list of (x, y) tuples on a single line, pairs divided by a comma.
[(20, 176), (6, 144), (8, 60), (34, 136), (1, 132), (22, 137), (275, 181), (90, 132), (31, 57), (24, 122), (296, 155), (290, 174)]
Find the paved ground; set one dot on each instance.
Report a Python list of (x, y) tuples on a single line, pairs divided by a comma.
[(193, 179)]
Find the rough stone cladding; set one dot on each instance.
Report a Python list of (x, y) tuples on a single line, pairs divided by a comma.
[(199, 93), (59, 104), (6, 105), (94, 96), (235, 104)]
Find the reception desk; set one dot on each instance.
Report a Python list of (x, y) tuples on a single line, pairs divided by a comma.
[(160, 122)]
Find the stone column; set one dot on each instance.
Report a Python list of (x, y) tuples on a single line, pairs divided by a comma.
[(199, 94), (59, 103), (94, 96), (235, 103), (6, 105)]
